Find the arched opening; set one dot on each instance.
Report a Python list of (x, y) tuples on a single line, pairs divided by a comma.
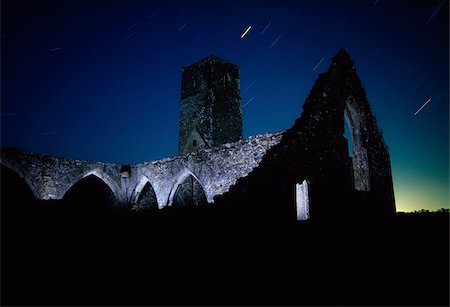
[(353, 129), (21, 221), (14, 189), (189, 193), (146, 198), (90, 194), (348, 135), (17, 199)]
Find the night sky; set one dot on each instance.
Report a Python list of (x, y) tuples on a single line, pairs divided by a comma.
[(100, 80)]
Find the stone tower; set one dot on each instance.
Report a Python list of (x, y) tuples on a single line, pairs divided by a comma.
[(211, 105)]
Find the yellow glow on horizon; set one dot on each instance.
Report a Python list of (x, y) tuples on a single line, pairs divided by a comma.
[(411, 195)]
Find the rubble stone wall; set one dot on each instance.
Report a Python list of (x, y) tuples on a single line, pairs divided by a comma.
[(210, 110), (315, 149), (215, 169), (261, 171)]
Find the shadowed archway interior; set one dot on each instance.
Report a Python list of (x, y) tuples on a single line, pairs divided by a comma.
[(189, 193), (90, 194), (146, 199), (14, 189)]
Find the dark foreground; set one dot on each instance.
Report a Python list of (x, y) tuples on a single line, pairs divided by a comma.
[(54, 253)]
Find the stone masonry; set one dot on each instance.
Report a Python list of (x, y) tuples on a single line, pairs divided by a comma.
[(211, 112), (215, 169), (263, 172), (315, 150)]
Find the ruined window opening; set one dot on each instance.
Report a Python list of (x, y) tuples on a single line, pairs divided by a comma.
[(348, 135), (302, 200), (357, 151), (194, 143)]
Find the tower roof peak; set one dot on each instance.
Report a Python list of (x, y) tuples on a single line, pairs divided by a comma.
[(211, 59)]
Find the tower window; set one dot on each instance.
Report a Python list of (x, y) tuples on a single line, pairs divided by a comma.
[(194, 143)]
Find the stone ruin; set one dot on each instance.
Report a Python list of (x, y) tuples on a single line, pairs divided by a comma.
[(311, 166), (301, 173)]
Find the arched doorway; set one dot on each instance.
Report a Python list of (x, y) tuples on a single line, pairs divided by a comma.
[(189, 193)]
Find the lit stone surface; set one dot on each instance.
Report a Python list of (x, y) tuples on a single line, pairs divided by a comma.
[(215, 170), (263, 171), (302, 199)]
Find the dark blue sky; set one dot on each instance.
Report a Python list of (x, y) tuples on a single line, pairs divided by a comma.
[(100, 80)]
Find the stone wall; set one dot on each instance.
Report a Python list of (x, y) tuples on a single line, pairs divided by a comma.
[(215, 170), (50, 177), (315, 150), (261, 172)]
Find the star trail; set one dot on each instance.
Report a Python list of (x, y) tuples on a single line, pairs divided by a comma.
[(106, 75)]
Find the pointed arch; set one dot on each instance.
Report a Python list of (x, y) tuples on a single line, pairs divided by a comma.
[(90, 196), (144, 196), (105, 178), (360, 164), (187, 190), (21, 175)]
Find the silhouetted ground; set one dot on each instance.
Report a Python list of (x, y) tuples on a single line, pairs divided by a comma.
[(56, 254)]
